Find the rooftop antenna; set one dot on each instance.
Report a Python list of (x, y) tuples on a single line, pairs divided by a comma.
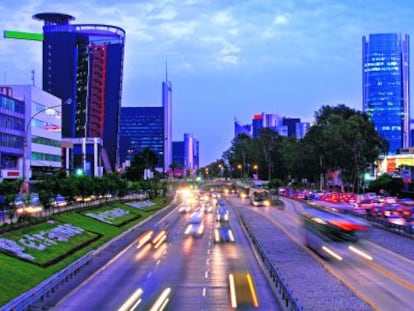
[(33, 77), (166, 71)]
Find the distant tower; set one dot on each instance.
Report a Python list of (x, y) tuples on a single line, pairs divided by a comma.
[(167, 105), (385, 85)]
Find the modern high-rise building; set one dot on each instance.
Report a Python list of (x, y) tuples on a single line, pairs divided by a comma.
[(84, 63), (240, 128), (141, 127), (290, 127), (167, 105), (268, 120), (385, 85)]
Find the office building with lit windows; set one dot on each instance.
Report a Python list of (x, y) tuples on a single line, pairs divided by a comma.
[(139, 128), (385, 85), (41, 128), (12, 121), (84, 63)]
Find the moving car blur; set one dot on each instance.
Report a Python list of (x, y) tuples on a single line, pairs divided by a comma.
[(195, 225), (223, 233), (223, 214)]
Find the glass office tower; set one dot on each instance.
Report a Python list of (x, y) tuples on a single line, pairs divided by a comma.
[(385, 85), (84, 63), (141, 127)]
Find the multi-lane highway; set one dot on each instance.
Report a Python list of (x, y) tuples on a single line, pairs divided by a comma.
[(385, 282), (184, 273)]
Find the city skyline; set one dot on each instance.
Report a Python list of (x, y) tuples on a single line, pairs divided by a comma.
[(286, 58)]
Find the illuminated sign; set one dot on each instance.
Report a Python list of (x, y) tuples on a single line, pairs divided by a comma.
[(12, 34)]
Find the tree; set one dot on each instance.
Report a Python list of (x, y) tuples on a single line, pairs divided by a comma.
[(343, 139), (145, 159)]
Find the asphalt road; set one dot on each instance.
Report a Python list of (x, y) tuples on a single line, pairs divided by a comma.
[(386, 282), (191, 272)]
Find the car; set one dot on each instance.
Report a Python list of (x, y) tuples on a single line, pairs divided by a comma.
[(223, 214), (395, 219), (223, 233), (184, 209), (195, 225), (207, 208), (242, 289), (59, 201)]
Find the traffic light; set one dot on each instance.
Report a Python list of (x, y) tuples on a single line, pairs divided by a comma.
[(79, 172)]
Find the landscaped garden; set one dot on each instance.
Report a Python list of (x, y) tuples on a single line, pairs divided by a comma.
[(34, 253)]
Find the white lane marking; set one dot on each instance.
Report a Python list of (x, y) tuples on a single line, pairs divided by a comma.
[(204, 291), (207, 261), (149, 275), (158, 262), (206, 274)]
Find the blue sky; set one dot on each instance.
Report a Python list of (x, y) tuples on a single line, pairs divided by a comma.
[(226, 58)]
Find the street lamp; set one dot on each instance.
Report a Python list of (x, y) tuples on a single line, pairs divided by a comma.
[(221, 170), (255, 168), (239, 166), (26, 134)]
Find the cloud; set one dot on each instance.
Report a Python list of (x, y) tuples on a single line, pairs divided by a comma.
[(223, 18), (178, 30), (166, 14), (281, 19)]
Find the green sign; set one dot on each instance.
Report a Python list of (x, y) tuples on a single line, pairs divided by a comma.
[(11, 34)]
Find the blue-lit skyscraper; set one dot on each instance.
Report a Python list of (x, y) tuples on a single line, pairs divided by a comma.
[(385, 85), (84, 63)]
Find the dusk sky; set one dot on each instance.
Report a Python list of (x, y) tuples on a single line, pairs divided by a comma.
[(226, 59)]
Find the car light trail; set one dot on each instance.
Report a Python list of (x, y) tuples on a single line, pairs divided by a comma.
[(187, 231), (159, 239), (216, 236), (232, 291), (231, 236), (162, 300), (132, 301), (332, 253), (143, 239), (360, 253), (252, 290)]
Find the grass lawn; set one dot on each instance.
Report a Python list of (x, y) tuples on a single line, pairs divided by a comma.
[(52, 251), (133, 213), (17, 276)]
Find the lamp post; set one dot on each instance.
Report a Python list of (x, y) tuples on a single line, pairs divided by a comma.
[(239, 166), (26, 135), (221, 170), (255, 168)]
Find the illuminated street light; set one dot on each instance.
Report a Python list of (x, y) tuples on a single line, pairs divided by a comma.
[(221, 170), (239, 166), (255, 168), (26, 134)]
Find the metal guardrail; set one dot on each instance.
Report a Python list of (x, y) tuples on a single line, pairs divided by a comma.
[(27, 299), (289, 301)]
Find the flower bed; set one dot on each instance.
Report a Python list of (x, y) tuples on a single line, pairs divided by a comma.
[(44, 242)]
